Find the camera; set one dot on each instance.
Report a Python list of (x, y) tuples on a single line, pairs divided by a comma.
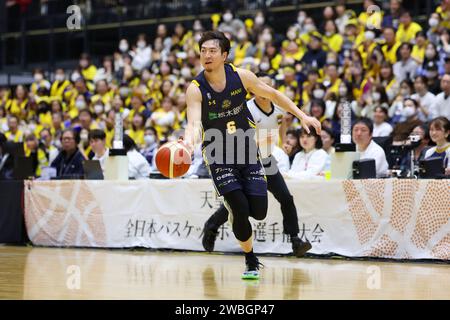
[(398, 151)]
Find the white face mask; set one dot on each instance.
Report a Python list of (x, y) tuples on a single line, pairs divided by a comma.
[(75, 76), (227, 17), (342, 92), (266, 37), (38, 77), (80, 104), (149, 140), (369, 35), (198, 36), (376, 96), (291, 35), (301, 19), (408, 112), (264, 66), (186, 73), (318, 93), (433, 22), (429, 54), (259, 20), (84, 136), (123, 47), (59, 77), (141, 44), (241, 36), (98, 108), (309, 27), (404, 92)]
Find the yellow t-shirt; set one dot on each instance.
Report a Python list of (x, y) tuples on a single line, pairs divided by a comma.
[(89, 73), (390, 54), (137, 136), (333, 42), (58, 88), (418, 54), (406, 35)]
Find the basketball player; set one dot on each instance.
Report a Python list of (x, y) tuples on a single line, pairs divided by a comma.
[(268, 119), (216, 103)]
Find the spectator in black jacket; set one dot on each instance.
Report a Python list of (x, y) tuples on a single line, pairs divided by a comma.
[(69, 162)]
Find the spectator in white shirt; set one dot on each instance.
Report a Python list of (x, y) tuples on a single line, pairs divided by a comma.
[(380, 127), (97, 141), (362, 136), (138, 167), (310, 162), (442, 103), (406, 68), (142, 54), (425, 98)]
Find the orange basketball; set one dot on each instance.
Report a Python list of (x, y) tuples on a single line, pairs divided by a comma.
[(173, 159)]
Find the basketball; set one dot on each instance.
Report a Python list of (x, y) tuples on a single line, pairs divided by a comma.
[(173, 159)]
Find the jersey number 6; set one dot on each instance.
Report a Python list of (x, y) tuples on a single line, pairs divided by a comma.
[(231, 127)]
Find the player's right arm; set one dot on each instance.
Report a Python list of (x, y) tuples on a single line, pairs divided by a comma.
[(192, 134)]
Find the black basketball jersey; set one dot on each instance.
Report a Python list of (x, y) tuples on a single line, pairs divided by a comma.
[(227, 112)]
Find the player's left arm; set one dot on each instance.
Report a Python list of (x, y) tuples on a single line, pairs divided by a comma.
[(259, 88)]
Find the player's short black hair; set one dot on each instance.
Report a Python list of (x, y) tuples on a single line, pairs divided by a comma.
[(224, 43), (97, 134)]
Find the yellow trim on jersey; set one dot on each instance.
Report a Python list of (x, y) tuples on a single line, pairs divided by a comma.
[(196, 83), (233, 67)]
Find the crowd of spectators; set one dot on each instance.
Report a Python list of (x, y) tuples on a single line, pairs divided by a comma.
[(393, 72)]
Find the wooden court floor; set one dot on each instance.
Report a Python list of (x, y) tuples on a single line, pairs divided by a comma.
[(55, 273)]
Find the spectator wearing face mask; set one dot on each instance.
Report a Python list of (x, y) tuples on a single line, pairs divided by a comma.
[(60, 85), (395, 111), (40, 86), (419, 152), (142, 54), (242, 49), (230, 23), (151, 146), (433, 33), (376, 98), (88, 70)]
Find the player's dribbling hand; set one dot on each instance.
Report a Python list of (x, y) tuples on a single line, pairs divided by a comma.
[(187, 145), (311, 121)]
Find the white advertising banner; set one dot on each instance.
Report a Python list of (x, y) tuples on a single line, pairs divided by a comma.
[(389, 218)]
